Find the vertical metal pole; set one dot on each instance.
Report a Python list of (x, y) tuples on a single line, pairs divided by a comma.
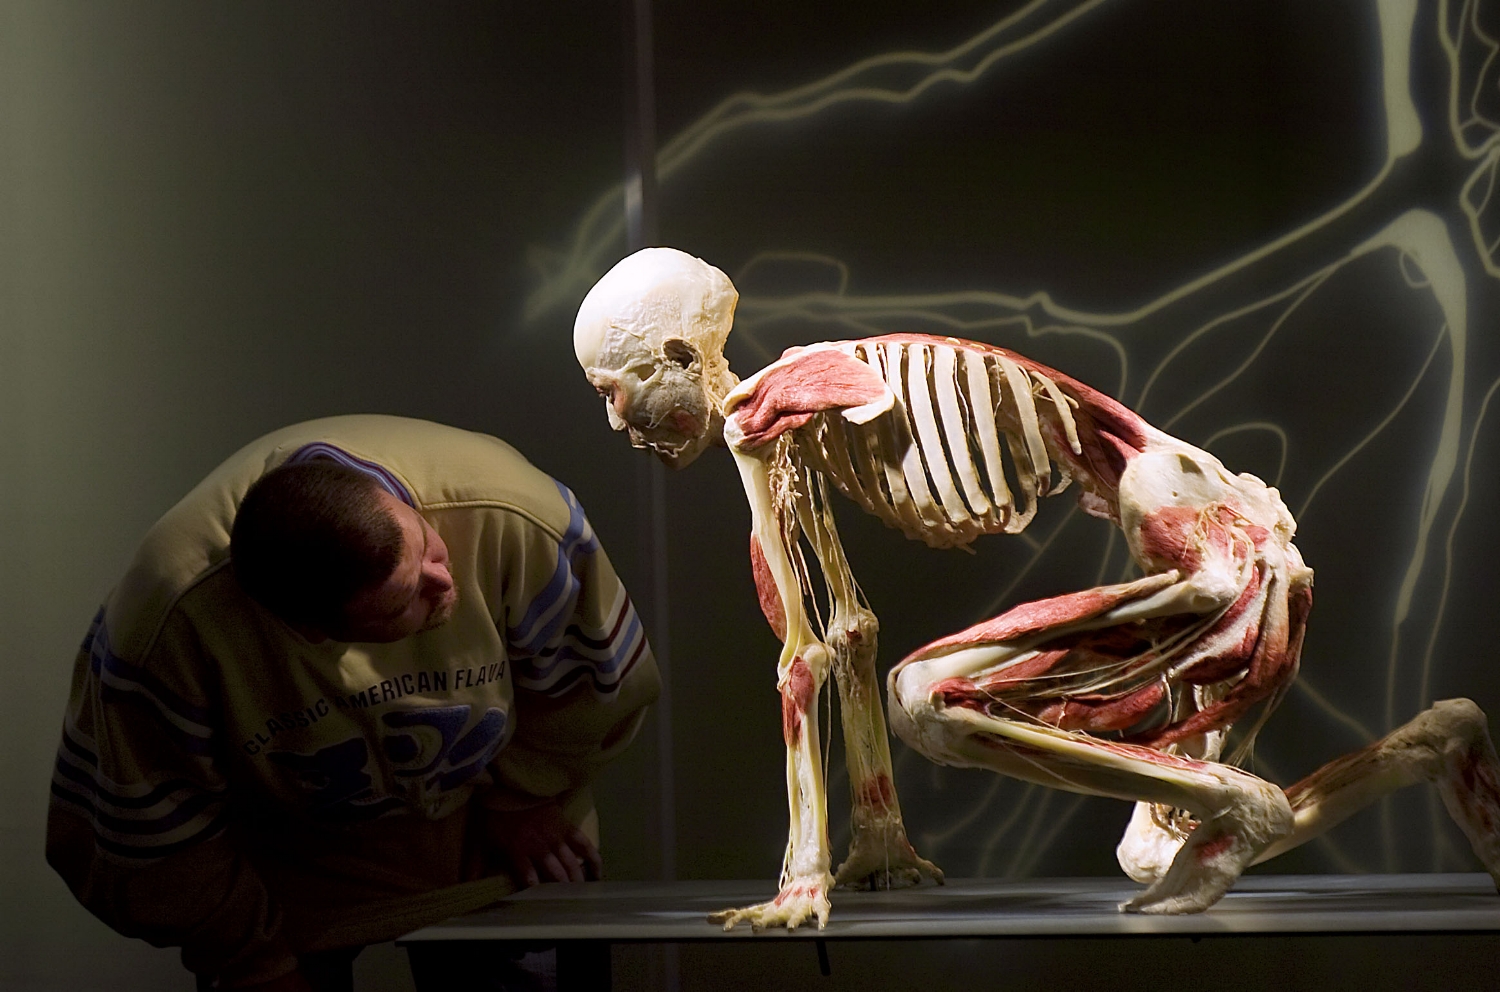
[(640, 127), (640, 232)]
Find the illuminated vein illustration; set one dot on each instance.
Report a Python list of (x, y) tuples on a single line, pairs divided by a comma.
[(1442, 254)]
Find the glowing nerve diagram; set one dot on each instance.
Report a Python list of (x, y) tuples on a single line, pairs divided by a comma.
[(1126, 690)]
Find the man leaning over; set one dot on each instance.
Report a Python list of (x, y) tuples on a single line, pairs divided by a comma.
[(355, 682)]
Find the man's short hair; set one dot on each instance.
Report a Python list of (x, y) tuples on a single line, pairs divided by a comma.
[(308, 537)]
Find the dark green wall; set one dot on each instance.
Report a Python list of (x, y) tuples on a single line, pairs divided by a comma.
[(219, 218)]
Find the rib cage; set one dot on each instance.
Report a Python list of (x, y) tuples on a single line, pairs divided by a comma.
[(932, 467)]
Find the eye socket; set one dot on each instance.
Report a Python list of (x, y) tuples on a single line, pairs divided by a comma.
[(679, 352)]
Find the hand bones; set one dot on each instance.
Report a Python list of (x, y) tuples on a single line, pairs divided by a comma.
[(923, 432)]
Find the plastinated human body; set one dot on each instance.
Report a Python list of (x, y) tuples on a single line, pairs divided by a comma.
[(1126, 690)]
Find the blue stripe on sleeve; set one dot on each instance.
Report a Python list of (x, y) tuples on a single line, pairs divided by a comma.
[(146, 851), (120, 800), (186, 811), (127, 677), (551, 652)]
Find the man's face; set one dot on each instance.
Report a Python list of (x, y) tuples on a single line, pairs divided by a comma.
[(419, 593)]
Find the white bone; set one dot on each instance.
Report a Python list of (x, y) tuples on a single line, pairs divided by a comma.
[(1062, 403), (865, 451), (834, 451), (945, 382), (650, 297), (929, 446), (650, 336), (890, 445), (1149, 845), (866, 412), (982, 408), (898, 361), (1031, 433)]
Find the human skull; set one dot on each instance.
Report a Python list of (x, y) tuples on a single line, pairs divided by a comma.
[(650, 337)]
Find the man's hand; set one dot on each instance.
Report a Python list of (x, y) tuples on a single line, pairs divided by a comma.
[(540, 845)]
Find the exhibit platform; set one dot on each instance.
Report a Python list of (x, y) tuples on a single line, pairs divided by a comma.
[(584, 921)]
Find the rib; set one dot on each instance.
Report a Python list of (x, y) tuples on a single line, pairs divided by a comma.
[(932, 466)]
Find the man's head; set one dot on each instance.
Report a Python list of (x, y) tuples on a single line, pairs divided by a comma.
[(333, 554)]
